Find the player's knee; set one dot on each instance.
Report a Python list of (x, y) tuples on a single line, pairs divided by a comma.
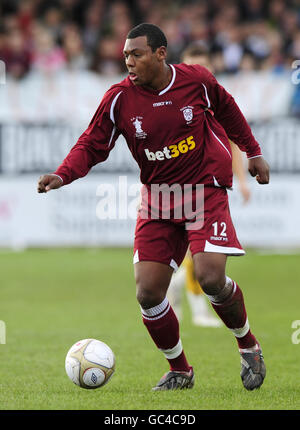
[(147, 299), (148, 296), (152, 281), (211, 282)]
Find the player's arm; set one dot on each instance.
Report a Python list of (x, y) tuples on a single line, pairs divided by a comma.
[(239, 171), (92, 147), (229, 115)]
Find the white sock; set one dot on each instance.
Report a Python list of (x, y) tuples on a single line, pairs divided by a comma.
[(254, 348)]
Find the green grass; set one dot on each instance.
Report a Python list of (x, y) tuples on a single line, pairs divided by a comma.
[(51, 298)]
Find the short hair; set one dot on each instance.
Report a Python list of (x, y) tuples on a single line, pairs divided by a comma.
[(155, 36), (196, 49)]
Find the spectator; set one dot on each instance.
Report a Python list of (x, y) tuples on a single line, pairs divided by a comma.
[(248, 63), (106, 60), (52, 20), (199, 31), (257, 41), (93, 23), (47, 56), (276, 10), (73, 49), (175, 39), (253, 10), (217, 61), (15, 54), (25, 18), (274, 62), (294, 49), (233, 49)]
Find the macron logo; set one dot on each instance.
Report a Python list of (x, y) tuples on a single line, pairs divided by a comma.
[(166, 103)]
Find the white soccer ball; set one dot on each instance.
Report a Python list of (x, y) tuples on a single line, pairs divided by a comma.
[(90, 363)]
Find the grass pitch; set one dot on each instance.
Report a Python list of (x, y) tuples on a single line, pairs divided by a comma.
[(51, 298)]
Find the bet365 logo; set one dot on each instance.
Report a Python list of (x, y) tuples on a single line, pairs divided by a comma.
[(172, 151)]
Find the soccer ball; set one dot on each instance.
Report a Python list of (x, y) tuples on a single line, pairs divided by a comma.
[(90, 363)]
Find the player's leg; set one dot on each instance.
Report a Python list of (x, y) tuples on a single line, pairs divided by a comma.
[(209, 246), (210, 271), (152, 281), (160, 247), (201, 313), (227, 299)]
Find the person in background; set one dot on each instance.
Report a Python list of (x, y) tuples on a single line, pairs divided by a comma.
[(47, 56), (73, 48)]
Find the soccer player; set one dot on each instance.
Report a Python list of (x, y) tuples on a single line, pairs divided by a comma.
[(176, 120), (198, 53)]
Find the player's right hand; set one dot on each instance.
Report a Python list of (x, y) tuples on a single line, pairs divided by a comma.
[(49, 182), (259, 168)]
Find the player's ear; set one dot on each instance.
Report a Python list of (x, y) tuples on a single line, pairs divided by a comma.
[(161, 53)]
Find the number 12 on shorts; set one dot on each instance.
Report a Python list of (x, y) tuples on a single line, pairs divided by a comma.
[(221, 229)]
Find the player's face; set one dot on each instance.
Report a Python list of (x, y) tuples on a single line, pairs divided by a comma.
[(144, 65)]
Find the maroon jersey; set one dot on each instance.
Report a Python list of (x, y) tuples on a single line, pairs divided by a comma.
[(177, 135)]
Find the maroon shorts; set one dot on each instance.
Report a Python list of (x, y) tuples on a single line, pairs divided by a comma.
[(167, 240)]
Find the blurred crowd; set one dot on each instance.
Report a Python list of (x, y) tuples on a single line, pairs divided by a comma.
[(52, 35)]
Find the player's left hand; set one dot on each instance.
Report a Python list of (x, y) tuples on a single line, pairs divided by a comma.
[(259, 168)]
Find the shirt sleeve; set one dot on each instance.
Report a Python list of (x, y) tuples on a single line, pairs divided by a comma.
[(229, 115), (95, 144)]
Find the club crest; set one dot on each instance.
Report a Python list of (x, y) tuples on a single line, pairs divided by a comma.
[(139, 132), (187, 113)]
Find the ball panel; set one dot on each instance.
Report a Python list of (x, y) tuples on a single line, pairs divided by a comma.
[(93, 377), (78, 345), (99, 353), (72, 366)]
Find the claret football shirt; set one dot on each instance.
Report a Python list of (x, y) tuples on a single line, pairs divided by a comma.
[(177, 135)]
